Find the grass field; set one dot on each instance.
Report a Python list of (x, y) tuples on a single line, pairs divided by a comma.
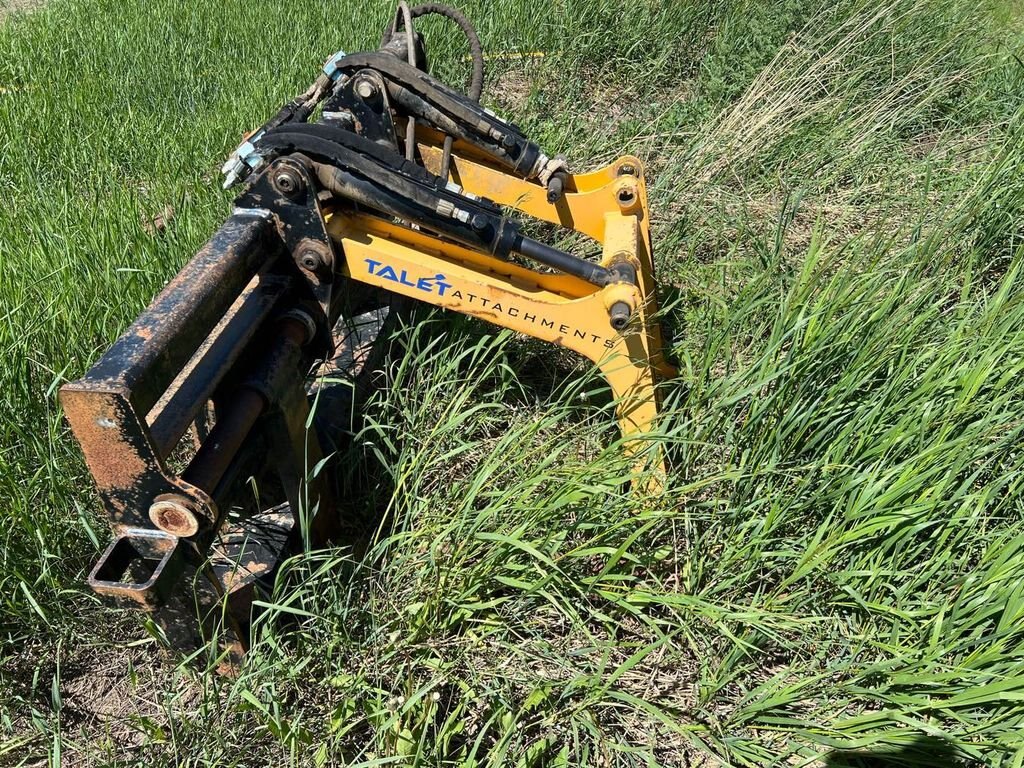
[(835, 574)]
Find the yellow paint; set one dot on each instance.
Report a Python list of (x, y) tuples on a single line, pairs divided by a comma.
[(608, 205)]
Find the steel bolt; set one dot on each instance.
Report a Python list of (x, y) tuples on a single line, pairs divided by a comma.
[(619, 315), (627, 170), (366, 89), (310, 259), (287, 181), (478, 222)]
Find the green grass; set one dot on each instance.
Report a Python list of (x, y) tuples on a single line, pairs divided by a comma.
[(836, 569)]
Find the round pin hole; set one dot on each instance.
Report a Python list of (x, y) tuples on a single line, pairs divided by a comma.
[(626, 196)]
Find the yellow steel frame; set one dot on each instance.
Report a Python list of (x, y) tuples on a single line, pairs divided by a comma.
[(608, 205)]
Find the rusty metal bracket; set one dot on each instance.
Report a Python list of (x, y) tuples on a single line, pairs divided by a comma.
[(140, 565), (231, 335)]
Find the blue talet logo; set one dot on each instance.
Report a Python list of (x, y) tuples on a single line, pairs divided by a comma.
[(435, 284)]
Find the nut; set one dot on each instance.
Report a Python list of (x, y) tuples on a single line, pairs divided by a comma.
[(310, 259)]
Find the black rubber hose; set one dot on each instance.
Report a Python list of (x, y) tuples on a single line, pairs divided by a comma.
[(410, 50), (476, 50)]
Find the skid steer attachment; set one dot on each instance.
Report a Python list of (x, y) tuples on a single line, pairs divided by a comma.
[(377, 185)]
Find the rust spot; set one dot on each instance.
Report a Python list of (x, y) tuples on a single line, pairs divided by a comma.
[(98, 425), (174, 514)]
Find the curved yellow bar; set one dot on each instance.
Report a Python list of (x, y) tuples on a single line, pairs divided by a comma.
[(609, 205)]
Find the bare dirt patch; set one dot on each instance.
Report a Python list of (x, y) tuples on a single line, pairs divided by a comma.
[(10, 6), (110, 700), (119, 699)]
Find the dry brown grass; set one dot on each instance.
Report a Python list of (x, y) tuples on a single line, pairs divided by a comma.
[(10, 6)]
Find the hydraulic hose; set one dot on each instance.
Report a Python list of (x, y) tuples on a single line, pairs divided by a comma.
[(476, 50), (476, 83), (410, 48)]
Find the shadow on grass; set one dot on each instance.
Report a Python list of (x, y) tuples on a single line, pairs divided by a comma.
[(923, 752)]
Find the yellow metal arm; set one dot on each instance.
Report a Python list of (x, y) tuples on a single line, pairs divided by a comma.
[(609, 205)]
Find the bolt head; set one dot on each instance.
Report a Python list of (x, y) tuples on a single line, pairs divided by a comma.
[(310, 259), (287, 181), (366, 89)]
